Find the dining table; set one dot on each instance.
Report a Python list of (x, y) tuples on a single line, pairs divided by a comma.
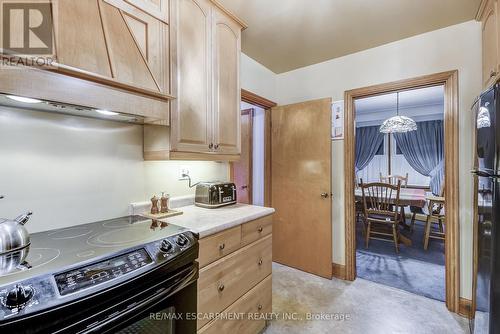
[(415, 197)]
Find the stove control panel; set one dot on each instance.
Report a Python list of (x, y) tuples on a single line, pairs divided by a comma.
[(97, 273)]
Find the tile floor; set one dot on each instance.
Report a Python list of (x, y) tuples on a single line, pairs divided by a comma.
[(367, 307)]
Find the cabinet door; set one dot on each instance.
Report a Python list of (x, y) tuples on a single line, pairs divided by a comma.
[(80, 39), (114, 43), (191, 127), (156, 8), (490, 43), (226, 116)]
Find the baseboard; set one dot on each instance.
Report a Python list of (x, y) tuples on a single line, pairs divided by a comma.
[(465, 308), (338, 271)]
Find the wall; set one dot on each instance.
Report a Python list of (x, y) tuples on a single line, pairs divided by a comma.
[(72, 170), (257, 79), (455, 47)]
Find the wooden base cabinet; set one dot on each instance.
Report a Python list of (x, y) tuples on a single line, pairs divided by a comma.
[(256, 305), (235, 277)]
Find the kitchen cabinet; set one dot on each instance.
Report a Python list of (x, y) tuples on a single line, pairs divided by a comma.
[(122, 46), (236, 276), (155, 8), (191, 127), (205, 48), (490, 23), (227, 41), (108, 54)]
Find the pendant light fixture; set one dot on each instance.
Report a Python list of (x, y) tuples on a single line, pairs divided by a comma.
[(398, 124)]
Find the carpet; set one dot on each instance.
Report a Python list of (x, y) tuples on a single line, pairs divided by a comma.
[(413, 269)]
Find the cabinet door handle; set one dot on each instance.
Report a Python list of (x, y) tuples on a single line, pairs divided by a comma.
[(259, 307), (222, 246), (493, 73), (324, 195), (216, 146), (260, 229), (211, 146), (221, 287), (260, 262)]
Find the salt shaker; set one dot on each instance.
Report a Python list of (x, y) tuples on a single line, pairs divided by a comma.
[(164, 202), (154, 205)]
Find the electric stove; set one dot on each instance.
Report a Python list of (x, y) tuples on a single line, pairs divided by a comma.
[(66, 268)]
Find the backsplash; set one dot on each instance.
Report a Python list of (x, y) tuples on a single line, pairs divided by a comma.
[(71, 170)]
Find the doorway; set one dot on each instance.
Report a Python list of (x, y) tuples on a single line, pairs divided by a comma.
[(252, 173), (242, 170), (449, 80), (400, 142)]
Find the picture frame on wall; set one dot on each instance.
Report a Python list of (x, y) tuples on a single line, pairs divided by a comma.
[(338, 120)]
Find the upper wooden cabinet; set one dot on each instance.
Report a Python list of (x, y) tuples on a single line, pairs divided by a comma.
[(205, 121), (226, 72), (488, 15), (191, 127), (113, 43), (156, 8)]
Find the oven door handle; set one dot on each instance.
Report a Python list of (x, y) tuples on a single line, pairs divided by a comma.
[(97, 327)]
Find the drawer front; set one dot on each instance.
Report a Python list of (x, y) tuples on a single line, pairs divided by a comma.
[(222, 283), (256, 229), (253, 306), (219, 245)]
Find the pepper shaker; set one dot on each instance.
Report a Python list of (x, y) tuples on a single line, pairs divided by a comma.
[(154, 205), (164, 202)]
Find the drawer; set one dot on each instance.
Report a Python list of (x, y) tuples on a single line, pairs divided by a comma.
[(219, 245), (256, 229), (221, 283), (253, 306)]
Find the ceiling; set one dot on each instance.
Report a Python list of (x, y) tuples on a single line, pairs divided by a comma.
[(421, 104), (287, 34)]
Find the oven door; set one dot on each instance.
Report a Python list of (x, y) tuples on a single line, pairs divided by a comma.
[(163, 309)]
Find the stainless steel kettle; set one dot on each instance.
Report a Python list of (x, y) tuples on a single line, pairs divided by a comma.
[(13, 235)]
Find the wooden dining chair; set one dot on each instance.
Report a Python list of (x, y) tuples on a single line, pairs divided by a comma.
[(435, 215), (381, 214), (393, 179)]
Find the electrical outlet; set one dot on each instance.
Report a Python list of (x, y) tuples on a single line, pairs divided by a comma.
[(183, 170)]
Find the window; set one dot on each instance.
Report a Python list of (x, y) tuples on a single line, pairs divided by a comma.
[(380, 150), (398, 150)]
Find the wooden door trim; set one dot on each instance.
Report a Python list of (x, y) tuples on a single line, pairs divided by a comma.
[(251, 112), (256, 100), (451, 118), (262, 102)]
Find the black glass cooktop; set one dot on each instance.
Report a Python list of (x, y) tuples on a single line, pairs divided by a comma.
[(55, 250)]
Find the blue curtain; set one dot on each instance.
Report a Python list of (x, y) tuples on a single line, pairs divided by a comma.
[(424, 151), (368, 141)]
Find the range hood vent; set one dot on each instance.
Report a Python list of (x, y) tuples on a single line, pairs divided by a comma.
[(67, 109)]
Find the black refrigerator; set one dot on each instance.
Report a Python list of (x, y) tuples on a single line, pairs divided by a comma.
[(487, 201)]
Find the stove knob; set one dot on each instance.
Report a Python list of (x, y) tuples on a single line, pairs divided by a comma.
[(19, 296), (166, 246), (181, 240)]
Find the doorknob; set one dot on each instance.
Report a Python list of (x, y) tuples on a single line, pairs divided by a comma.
[(324, 195)]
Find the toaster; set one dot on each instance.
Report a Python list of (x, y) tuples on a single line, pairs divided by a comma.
[(213, 195)]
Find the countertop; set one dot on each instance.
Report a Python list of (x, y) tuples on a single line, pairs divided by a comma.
[(206, 222)]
